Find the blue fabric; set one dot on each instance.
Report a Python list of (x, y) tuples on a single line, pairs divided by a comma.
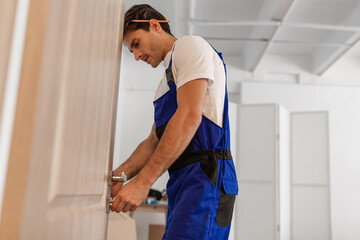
[(193, 199), (165, 106)]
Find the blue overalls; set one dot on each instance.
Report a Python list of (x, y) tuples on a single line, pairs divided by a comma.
[(202, 185)]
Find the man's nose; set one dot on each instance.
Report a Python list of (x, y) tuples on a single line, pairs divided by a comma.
[(137, 55)]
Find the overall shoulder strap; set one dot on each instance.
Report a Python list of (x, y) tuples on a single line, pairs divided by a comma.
[(168, 71)]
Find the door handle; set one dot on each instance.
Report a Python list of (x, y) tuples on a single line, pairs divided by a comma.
[(114, 178), (119, 178)]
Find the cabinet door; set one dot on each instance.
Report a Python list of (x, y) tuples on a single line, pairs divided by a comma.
[(310, 176), (256, 168), (62, 139)]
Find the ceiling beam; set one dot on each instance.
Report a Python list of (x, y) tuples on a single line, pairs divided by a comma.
[(274, 23), (205, 23), (251, 51), (341, 52), (266, 49), (322, 26), (336, 56), (318, 44)]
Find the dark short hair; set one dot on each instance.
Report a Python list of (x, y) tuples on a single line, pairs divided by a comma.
[(143, 12)]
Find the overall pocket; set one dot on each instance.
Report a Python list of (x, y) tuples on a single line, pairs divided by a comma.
[(209, 165), (229, 190)]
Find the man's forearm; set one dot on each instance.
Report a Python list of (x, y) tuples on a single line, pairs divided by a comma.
[(138, 158), (178, 134)]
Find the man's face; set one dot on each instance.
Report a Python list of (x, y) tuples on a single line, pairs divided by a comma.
[(145, 46)]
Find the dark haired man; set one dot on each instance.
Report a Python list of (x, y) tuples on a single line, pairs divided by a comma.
[(190, 137)]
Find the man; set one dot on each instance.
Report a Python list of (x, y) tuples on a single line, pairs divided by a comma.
[(190, 137)]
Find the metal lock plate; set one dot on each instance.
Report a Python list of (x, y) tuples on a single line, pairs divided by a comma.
[(114, 178), (108, 205)]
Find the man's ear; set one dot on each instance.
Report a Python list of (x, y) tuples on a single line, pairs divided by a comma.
[(155, 25)]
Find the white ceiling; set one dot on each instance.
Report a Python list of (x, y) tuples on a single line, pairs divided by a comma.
[(321, 31)]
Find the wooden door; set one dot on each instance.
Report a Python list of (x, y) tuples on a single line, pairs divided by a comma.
[(63, 134), (7, 18)]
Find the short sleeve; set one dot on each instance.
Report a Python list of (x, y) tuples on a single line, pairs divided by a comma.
[(193, 58)]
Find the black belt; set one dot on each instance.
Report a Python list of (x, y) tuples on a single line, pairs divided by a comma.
[(186, 158)]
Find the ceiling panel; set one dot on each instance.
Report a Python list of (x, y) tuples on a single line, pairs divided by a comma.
[(316, 36), (318, 56), (324, 57), (230, 10), (282, 9), (233, 47), (355, 52), (328, 12), (250, 52), (292, 49)]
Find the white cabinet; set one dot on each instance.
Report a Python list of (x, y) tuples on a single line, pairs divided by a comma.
[(283, 171), (310, 176), (263, 204)]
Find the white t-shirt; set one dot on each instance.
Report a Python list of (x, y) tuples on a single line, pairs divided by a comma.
[(194, 58)]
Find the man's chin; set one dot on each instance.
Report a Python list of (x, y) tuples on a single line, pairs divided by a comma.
[(154, 65)]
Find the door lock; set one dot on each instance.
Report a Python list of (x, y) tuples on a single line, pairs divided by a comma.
[(108, 205)]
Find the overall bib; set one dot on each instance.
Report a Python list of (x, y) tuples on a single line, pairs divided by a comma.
[(203, 184)]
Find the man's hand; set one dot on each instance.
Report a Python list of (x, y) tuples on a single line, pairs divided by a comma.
[(115, 188), (130, 196)]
